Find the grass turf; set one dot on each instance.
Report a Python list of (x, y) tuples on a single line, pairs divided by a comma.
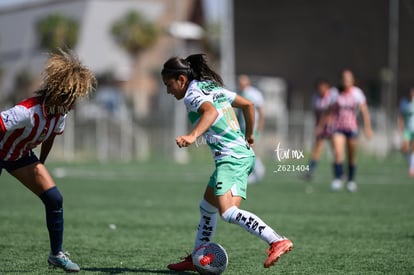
[(154, 207)]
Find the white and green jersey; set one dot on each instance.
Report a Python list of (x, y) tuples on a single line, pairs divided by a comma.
[(224, 136), (255, 96), (407, 110)]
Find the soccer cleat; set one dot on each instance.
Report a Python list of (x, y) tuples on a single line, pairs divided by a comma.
[(276, 250), (185, 265), (62, 260), (336, 185), (352, 186)]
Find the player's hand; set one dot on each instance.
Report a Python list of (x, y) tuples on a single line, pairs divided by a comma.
[(250, 140), (368, 133), (318, 131), (185, 141)]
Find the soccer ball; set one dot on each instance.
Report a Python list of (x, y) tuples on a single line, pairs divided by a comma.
[(210, 259)]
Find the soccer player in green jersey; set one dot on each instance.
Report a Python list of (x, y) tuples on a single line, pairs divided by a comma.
[(210, 110)]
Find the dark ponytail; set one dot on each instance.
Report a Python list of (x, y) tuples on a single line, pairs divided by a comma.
[(194, 67)]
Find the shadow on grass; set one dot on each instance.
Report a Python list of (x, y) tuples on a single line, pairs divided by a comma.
[(120, 270)]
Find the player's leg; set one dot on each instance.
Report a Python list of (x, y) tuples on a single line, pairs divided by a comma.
[(38, 180), (230, 211), (405, 146), (208, 218), (316, 154), (351, 144), (229, 191), (338, 144), (411, 163), (206, 227)]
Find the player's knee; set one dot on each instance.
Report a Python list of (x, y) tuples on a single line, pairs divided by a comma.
[(52, 198), (227, 215), (208, 207)]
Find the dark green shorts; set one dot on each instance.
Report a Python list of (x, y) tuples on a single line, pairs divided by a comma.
[(231, 174)]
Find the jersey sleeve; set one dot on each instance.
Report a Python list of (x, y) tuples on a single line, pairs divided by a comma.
[(231, 96), (60, 125), (360, 97), (333, 96), (14, 118), (194, 98)]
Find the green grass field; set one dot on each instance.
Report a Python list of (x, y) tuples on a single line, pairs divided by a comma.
[(154, 206)]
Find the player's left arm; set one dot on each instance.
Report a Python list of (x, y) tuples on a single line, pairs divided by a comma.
[(366, 119), (208, 115), (261, 121), (248, 111), (46, 147)]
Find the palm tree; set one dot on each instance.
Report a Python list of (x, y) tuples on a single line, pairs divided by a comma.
[(57, 31), (133, 33)]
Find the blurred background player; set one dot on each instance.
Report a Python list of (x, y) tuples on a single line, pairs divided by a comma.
[(210, 110), (255, 96), (322, 100), (37, 120), (406, 128), (350, 100)]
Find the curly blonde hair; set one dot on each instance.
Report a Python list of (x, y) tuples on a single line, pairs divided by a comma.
[(65, 79)]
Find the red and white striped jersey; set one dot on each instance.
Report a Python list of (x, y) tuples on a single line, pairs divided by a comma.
[(346, 109), (25, 126), (322, 103)]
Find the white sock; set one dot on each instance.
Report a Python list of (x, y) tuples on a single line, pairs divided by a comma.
[(207, 225), (251, 223), (259, 169), (412, 162)]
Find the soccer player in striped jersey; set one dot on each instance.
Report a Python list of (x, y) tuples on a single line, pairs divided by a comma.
[(406, 128), (321, 102), (37, 120), (210, 110), (350, 100)]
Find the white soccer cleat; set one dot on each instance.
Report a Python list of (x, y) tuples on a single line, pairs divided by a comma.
[(352, 186), (336, 185)]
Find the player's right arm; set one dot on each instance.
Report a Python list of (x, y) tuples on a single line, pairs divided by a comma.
[(248, 112), (208, 115), (366, 119)]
